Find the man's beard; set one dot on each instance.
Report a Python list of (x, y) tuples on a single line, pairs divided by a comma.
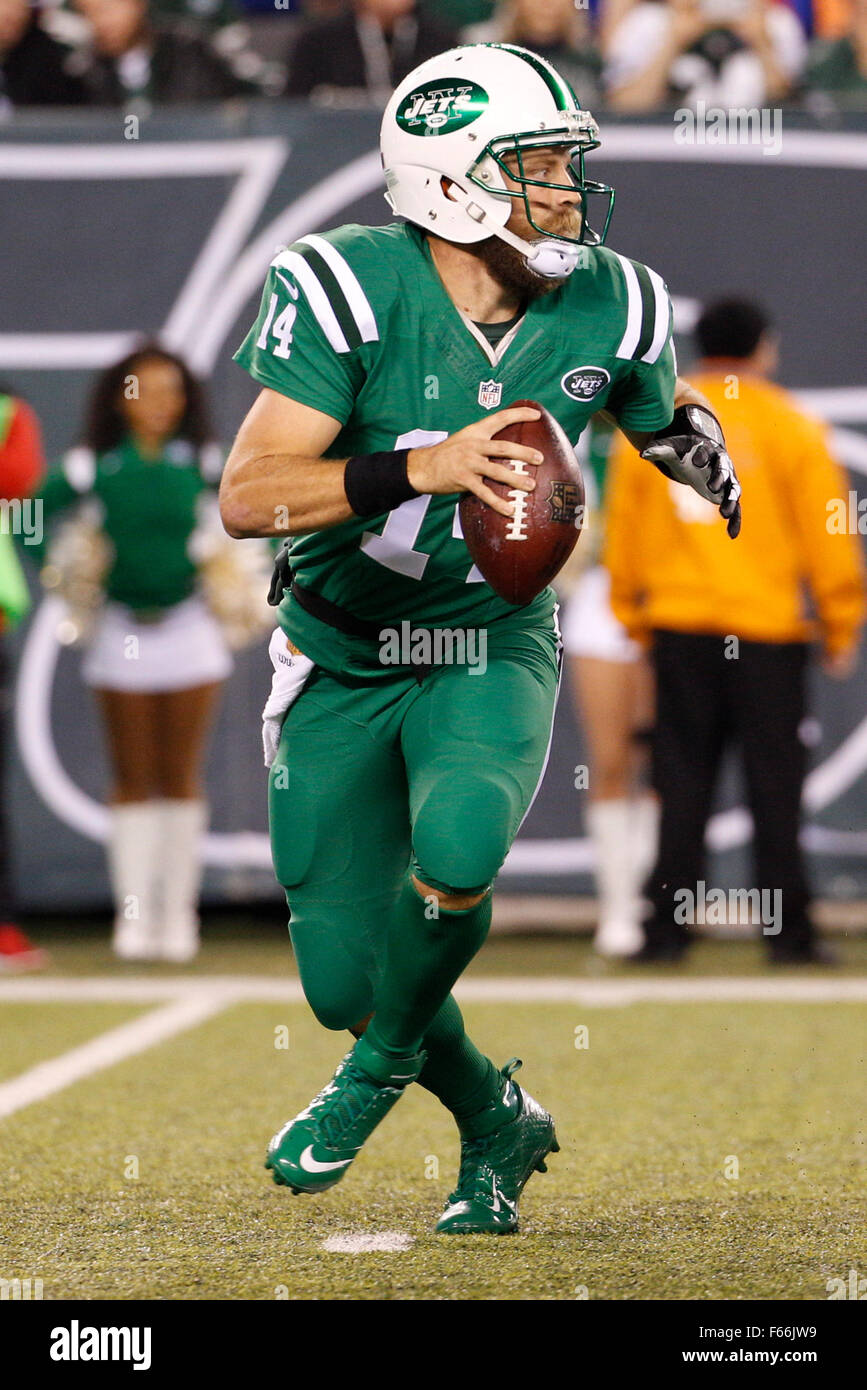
[(510, 267)]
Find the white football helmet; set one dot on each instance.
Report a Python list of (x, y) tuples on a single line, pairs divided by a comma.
[(456, 117)]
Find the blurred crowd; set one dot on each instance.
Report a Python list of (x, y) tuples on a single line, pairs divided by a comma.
[(628, 55)]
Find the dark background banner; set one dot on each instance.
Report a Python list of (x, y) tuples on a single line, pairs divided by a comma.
[(106, 237)]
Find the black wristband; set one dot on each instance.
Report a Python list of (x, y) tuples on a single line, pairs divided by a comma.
[(376, 483), (693, 419)]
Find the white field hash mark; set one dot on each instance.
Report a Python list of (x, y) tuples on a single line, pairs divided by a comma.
[(188, 1002), (360, 1243)]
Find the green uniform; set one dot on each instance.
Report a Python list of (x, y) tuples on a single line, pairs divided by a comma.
[(357, 324), (378, 770), (148, 511)]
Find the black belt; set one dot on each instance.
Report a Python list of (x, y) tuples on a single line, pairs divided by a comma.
[(345, 622), (283, 580), (333, 614), (327, 612)]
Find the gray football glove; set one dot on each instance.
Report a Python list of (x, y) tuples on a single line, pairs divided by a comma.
[(692, 450)]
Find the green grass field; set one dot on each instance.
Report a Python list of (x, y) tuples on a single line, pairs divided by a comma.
[(655, 1117)]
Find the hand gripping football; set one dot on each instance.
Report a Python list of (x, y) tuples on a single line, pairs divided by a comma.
[(519, 555)]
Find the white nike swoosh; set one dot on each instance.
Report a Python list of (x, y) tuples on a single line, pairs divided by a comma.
[(312, 1165), (291, 288), (499, 1203)]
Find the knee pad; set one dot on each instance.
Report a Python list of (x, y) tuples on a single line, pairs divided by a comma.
[(336, 1008), (466, 846)]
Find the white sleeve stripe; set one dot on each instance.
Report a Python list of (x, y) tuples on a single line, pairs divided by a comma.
[(346, 279), (629, 341), (663, 316), (316, 297)]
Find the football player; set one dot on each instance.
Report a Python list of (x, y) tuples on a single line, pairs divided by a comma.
[(385, 356)]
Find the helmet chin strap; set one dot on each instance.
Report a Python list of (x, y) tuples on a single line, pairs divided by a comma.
[(548, 257)]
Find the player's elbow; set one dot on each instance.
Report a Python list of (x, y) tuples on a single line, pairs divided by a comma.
[(237, 533), (236, 516)]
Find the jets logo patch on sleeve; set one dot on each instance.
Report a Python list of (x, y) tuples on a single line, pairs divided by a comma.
[(583, 383)]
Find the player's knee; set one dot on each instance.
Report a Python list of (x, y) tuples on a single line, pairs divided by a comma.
[(338, 998), (338, 1011), (467, 854), (466, 869), (453, 900)]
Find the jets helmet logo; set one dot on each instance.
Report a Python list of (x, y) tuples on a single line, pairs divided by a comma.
[(438, 108), (583, 383), (490, 393)]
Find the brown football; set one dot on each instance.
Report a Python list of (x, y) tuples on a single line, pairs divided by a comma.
[(519, 555)]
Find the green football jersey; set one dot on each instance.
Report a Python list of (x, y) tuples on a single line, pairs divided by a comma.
[(357, 324), (148, 510)]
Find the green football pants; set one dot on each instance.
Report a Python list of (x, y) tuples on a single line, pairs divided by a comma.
[(374, 778)]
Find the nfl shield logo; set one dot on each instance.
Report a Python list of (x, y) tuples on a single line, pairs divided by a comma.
[(490, 394)]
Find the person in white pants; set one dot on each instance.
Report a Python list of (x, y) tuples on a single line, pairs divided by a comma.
[(613, 690)]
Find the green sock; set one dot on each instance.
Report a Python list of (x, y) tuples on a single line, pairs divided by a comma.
[(456, 1072), (424, 955)]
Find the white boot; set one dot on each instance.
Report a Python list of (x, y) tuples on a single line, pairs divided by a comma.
[(619, 932), (132, 849), (645, 836), (180, 871)]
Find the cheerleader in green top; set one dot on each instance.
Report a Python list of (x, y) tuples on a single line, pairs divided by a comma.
[(157, 656)]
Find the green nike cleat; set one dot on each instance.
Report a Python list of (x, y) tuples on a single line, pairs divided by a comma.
[(496, 1166), (313, 1151)]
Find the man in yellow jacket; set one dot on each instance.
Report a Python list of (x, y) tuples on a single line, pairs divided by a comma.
[(730, 626)]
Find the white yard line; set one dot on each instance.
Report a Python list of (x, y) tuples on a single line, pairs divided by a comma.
[(114, 1046), (616, 993), (223, 990), (144, 989)]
